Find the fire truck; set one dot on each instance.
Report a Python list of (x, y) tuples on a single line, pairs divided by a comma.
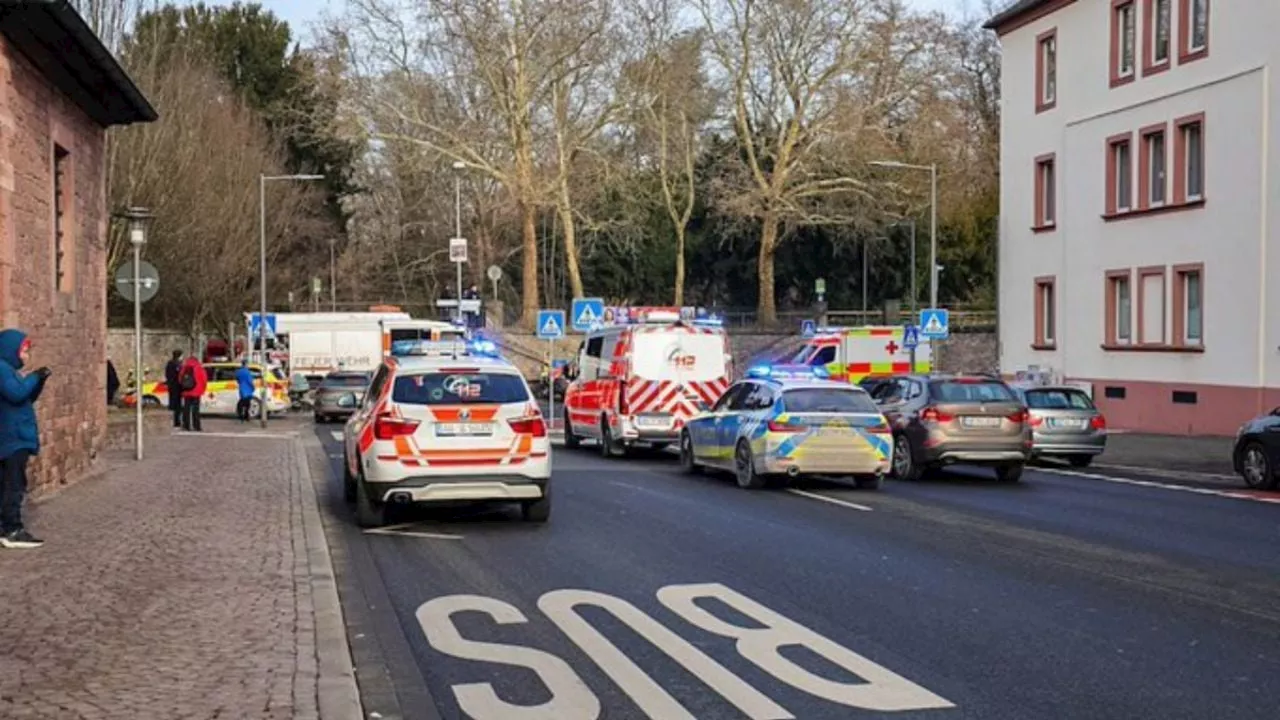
[(856, 353), (641, 375)]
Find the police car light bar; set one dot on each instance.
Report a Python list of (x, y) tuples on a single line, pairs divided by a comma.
[(794, 371)]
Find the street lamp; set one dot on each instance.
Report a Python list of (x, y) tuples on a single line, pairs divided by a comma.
[(262, 269), (138, 220), (933, 220), (458, 167)]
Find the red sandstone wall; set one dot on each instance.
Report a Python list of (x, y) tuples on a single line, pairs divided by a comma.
[(68, 329)]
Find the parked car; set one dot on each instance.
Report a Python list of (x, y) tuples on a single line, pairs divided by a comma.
[(339, 395), (1064, 423), (1256, 456), (943, 420)]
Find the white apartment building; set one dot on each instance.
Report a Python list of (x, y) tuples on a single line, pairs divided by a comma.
[(1138, 230)]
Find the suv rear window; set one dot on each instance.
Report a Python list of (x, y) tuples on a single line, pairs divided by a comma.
[(817, 400), (459, 389), (978, 391), (1058, 399)]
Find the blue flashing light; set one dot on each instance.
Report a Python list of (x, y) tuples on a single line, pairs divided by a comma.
[(760, 371), (710, 321), (821, 372), (483, 347), (794, 371)]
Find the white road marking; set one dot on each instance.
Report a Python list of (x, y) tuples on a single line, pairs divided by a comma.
[(1233, 494), (336, 435), (879, 688), (826, 499), (402, 530)]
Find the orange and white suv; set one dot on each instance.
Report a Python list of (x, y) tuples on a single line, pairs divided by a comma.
[(448, 423)]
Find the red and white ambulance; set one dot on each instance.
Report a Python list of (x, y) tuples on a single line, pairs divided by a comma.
[(639, 378)]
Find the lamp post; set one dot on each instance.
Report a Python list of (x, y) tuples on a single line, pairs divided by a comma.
[(138, 219), (333, 276), (262, 269), (458, 167)]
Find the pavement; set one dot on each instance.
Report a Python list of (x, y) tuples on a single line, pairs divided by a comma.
[(654, 594), (193, 584)]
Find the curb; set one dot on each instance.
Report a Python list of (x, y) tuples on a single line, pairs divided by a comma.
[(337, 694)]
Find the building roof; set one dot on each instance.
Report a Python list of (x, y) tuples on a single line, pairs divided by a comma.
[(59, 42), (1013, 12)]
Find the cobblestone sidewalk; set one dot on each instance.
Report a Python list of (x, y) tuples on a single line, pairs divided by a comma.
[(195, 584)]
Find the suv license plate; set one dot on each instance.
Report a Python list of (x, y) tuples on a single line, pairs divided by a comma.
[(980, 422), (651, 421), (464, 429), (1067, 423)]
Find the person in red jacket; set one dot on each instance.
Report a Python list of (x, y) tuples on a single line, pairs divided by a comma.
[(194, 382)]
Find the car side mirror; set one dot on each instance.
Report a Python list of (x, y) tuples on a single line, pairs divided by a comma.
[(571, 371)]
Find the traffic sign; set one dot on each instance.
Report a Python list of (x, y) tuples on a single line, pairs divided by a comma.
[(457, 250), (494, 272), (254, 324), (935, 324), (148, 281), (910, 337), (550, 324), (820, 286), (586, 312), (808, 328)]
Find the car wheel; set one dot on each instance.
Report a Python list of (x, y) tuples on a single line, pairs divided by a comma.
[(868, 482), (904, 463), (608, 446), (349, 487), (1256, 468), (1080, 461), (150, 401), (370, 513), (744, 466), (1009, 473), (571, 441), (687, 462), (539, 510)]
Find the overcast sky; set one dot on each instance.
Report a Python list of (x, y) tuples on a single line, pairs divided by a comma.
[(301, 13)]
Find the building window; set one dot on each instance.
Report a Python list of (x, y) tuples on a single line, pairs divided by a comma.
[(1124, 309), (62, 198), (1119, 174), (1188, 316), (1154, 179), (1046, 193), (1123, 32), (1151, 315), (1189, 159), (1046, 325), (1046, 70), (1160, 33), (1193, 32)]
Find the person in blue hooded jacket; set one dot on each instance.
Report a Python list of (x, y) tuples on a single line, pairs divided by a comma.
[(244, 383), (19, 435)]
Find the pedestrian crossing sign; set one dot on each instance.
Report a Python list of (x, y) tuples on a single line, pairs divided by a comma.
[(911, 337), (550, 324), (935, 324), (586, 312)]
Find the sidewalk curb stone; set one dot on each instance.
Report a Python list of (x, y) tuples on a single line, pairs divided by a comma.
[(323, 651)]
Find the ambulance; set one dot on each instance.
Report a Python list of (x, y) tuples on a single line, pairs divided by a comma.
[(404, 332), (641, 375), (853, 354)]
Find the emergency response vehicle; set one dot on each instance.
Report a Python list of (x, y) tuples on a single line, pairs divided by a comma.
[(853, 354), (223, 391), (639, 379), (791, 422), (447, 422), (399, 331)]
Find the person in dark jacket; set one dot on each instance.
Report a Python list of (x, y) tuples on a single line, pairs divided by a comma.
[(244, 383), (113, 382), (19, 435), (172, 369), (194, 382)]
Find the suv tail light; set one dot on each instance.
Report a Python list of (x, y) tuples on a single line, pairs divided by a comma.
[(1019, 416), (389, 428), (934, 416), (782, 427), (624, 407), (1099, 422), (534, 426), (1034, 421)]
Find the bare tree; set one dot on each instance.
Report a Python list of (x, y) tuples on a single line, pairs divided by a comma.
[(671, 103)]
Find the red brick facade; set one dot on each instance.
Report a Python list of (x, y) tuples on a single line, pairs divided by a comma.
[(67, 325)]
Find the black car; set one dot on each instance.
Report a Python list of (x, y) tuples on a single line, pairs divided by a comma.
[(339, 395), (1257, 452)]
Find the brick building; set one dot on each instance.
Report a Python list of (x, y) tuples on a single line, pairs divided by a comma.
[(60, 90)]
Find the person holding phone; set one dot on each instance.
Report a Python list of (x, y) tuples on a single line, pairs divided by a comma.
[(19, 434)]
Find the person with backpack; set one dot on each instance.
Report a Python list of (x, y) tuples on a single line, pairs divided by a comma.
[(194, 382), (172, 370), (19, 434)]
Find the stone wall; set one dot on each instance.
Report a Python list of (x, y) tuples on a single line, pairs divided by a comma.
[(157, 346), (57, 298)]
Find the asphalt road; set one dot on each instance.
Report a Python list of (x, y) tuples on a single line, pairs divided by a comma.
[(651, 594)]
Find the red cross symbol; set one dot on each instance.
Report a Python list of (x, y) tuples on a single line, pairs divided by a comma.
[(892, 347)]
